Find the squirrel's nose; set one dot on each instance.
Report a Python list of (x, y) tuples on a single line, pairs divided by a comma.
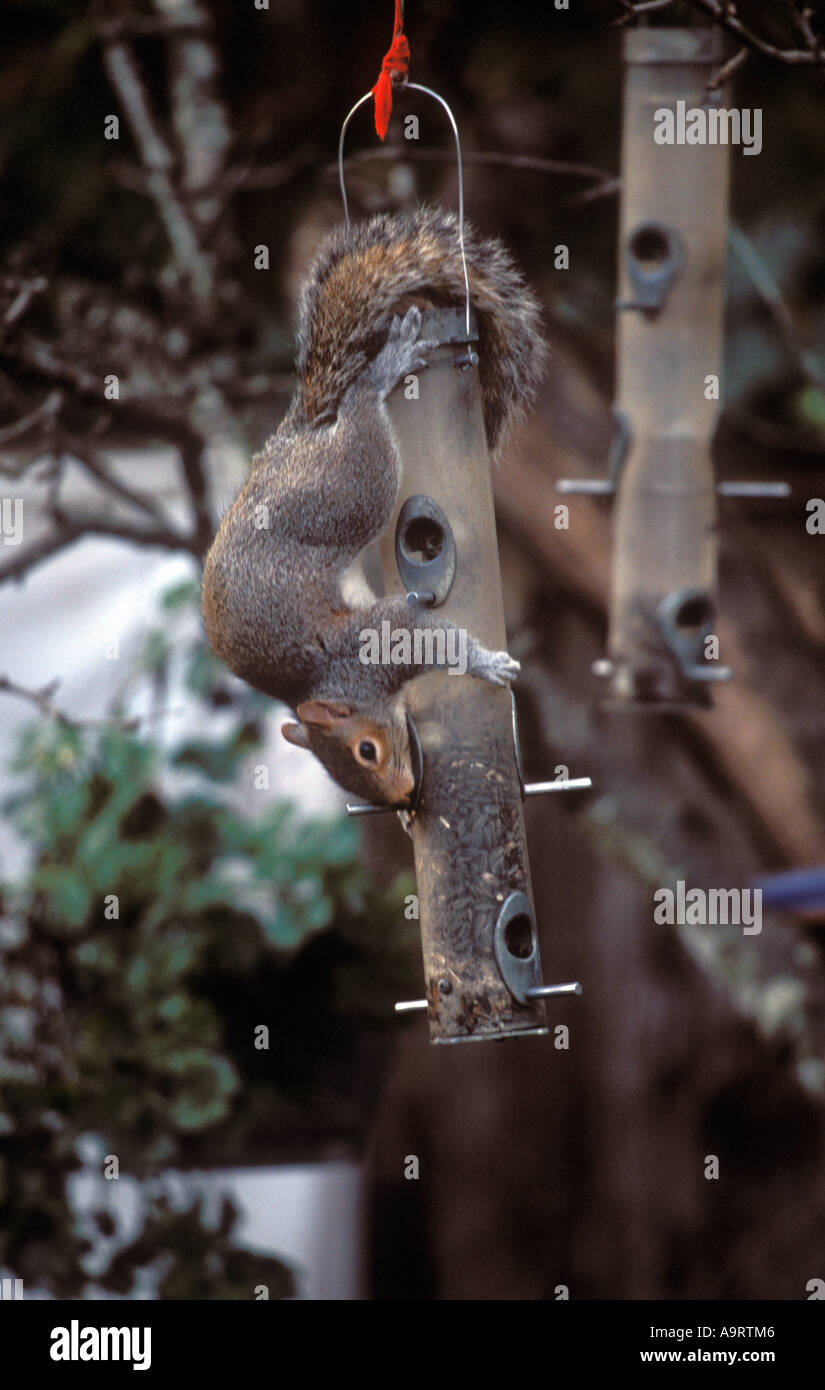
[(405, 783)]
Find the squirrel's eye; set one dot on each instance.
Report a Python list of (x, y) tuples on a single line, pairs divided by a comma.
[(367, 751)]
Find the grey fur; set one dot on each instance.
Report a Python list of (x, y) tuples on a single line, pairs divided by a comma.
[(362, 271), (326, 483)]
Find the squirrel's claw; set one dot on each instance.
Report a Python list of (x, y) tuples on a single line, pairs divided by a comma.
[(496, 667), (503, 668)]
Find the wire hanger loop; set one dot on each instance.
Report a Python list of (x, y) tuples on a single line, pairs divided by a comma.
[(402, 83)]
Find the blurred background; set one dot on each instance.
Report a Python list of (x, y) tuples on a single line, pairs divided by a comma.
[(199, 954)]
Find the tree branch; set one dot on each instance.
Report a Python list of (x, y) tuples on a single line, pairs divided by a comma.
[(193, 266), (191, 453), (42, 701), (93, 463), (42, 415), (97, 524), (770, 294), (142, 413), (484, 157), (642, 7), (725, 73), (198, 115), (72, 527), (23, 561), (802, 20), (724, 13), (27, 291)]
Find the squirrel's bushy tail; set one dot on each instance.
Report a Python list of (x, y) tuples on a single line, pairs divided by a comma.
[(365, 273)]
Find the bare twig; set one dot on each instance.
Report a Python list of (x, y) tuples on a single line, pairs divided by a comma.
[(94, 464), (42, 700), (249, 177), (240, 177), (193, 266), (152, 412), (191, 453), (508, 161), (607, 189), (185, 19), (725, 73), (42, 414), (802, 20), (71, 527), (26, 293), (155, 415), (642, 7), (25, 560), (771, 296), (725, 14), (39, 357), (99, 524), (198, 115)]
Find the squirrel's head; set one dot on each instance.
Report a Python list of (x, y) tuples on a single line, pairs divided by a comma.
[(368, 758)]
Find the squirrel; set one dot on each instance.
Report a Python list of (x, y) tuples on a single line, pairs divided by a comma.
[(326, 483)]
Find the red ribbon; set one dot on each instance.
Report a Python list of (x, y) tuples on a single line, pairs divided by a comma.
[(396, 60)]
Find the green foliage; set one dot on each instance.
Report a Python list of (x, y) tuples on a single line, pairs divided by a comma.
[(811, 407), (213, 1268), (159, 924)]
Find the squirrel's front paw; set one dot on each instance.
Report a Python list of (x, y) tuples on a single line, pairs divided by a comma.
[(403, 352), (497, 667)]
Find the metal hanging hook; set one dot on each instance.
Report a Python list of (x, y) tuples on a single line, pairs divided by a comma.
[(417, 87)]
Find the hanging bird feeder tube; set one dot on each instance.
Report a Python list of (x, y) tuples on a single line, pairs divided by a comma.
[(672, 243), (477, 917)]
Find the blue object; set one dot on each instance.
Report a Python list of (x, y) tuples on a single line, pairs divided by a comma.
[(798, 888)]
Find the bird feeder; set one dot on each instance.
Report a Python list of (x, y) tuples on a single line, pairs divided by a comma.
[(477, 918), (672, 239)]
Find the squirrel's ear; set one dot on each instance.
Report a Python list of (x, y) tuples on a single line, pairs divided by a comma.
[(327, 713), (293, 733)]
